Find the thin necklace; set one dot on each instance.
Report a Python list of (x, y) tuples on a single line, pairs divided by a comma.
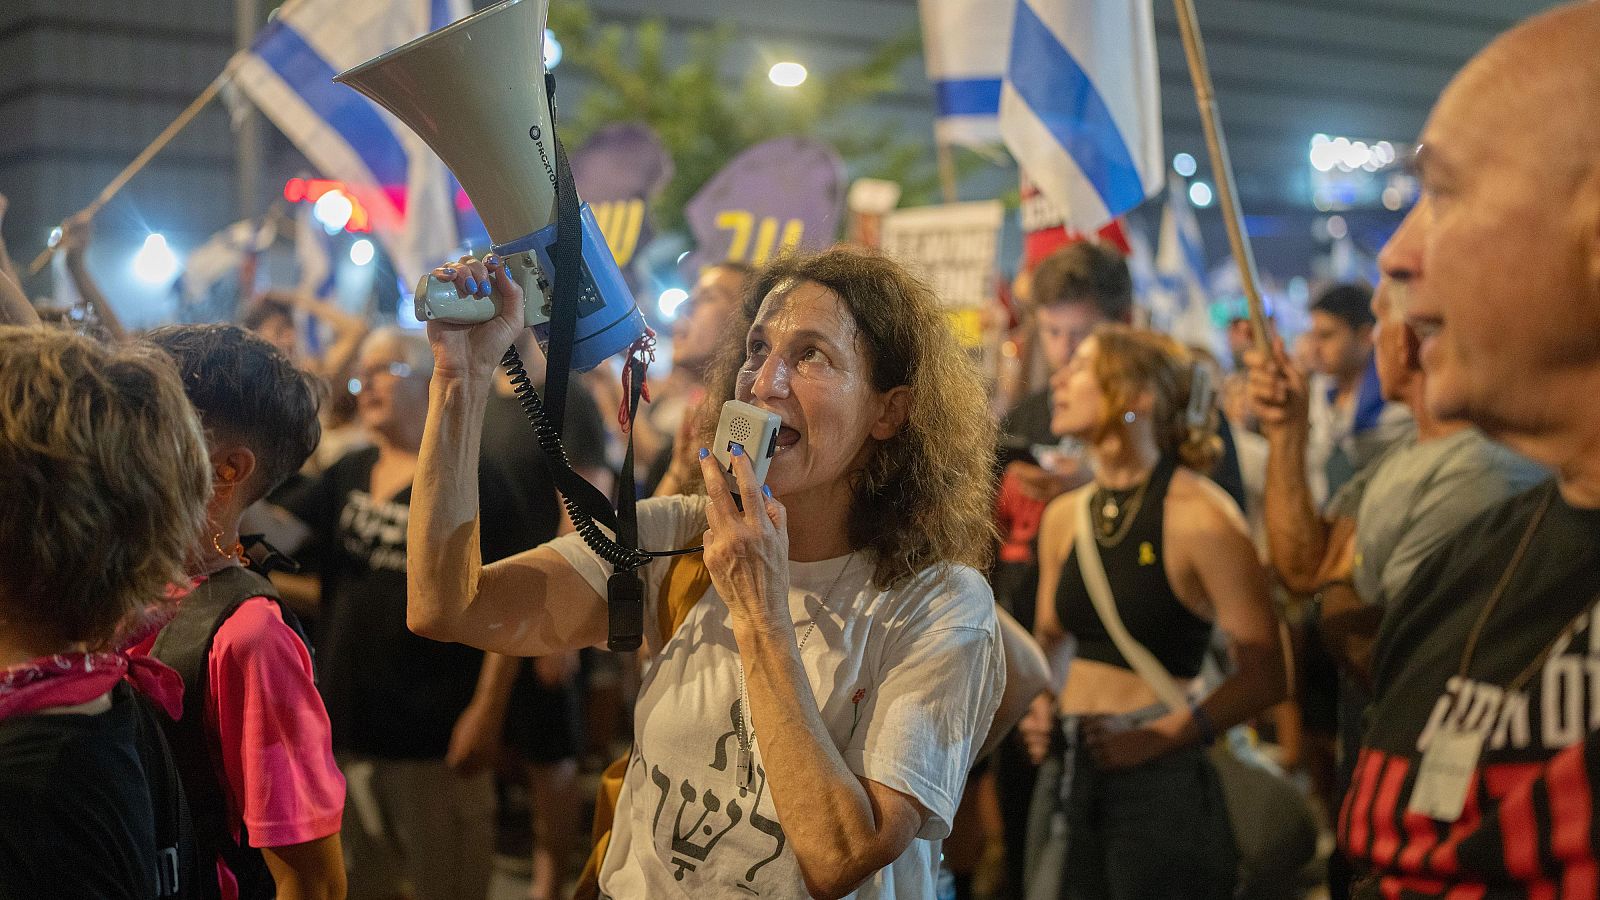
[(1114, 516), (746, 773)]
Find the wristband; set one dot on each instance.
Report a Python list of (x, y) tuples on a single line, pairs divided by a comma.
[(1203, 724)]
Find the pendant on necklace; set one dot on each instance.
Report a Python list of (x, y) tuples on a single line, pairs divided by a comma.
[(1110, 510), (746, 771)]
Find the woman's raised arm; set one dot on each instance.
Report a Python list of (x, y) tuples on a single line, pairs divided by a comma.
[(531, 604)]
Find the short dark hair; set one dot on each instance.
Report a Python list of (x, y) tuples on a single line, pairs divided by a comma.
[(245, 389), (1348, 302), (1086, 272)]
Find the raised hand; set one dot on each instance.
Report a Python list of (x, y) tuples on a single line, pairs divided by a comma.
[(471, 352), (1278, 392)]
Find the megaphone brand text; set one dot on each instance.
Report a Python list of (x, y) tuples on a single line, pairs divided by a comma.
[(544, 155)]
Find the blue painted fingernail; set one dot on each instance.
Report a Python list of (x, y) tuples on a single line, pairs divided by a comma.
[(766, 489), (704, 453), (472, 285), (448, 272), (738, 450), (492, 260)]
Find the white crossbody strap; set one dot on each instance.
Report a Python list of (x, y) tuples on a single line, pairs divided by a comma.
[(1144, 662)]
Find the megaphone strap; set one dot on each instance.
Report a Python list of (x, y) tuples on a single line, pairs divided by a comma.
[(568, 287), (585, 505)]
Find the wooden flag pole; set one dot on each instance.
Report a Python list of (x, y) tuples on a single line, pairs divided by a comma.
[(140, 161), (1221, 169)]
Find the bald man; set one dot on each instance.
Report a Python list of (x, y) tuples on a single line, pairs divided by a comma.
[(1477, 774)]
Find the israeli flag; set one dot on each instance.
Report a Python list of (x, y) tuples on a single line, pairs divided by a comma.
[(964, 45), (288, 74), (1181, 271), (1080, 105)]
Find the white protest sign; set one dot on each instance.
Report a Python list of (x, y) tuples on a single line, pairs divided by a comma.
[(953, 246)]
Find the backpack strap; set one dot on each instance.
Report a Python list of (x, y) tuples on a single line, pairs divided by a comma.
[(177, 855), (185, 645)]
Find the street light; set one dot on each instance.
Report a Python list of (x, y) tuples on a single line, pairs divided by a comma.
[(155, 263), (333, 210), (787, 74)]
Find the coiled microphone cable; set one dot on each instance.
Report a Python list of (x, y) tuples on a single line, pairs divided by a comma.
[(580, 498)]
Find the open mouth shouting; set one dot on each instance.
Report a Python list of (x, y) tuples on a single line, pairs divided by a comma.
[(787, 437)]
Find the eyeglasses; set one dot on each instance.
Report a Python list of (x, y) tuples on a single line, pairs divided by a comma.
[(365, 376)]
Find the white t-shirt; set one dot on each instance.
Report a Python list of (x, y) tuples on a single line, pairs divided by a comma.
[(907, 681)]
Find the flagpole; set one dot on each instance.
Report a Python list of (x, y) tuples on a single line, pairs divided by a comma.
[(1222, 168), (139, 162)]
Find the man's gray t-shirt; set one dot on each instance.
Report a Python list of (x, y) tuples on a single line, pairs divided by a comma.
[(1419, 494)]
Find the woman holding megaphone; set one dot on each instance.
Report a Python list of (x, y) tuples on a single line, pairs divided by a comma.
[(820, 679)]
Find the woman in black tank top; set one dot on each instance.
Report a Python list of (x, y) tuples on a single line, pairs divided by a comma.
[(1145, 814)]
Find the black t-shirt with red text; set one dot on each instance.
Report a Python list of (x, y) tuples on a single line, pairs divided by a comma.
[(1529, 825)]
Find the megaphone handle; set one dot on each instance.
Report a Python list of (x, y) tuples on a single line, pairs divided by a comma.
[(437, 299)]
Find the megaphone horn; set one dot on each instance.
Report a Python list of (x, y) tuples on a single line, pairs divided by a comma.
[(474, 92)]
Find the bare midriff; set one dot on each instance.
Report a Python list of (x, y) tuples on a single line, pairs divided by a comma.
[(1097, 688)]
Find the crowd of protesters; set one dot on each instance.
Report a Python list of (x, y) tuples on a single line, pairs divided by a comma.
[(276, 622)]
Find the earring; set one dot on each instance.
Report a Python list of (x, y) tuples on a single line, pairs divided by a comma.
[(238, 550), (1128, 417)]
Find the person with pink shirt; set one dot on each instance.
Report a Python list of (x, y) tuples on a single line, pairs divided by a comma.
[(253, 745)]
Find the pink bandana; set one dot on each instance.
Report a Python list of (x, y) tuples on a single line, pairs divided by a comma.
[(68, 679)]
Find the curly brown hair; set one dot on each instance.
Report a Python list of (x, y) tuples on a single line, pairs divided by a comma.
[(926, 495), (1129, 361), (104, 476)]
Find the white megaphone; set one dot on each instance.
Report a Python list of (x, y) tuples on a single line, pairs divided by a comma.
[(474, 91)]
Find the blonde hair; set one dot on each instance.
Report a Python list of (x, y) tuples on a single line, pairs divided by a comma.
[(926, 495), (1129, 361), (103, 480), (412, 346)]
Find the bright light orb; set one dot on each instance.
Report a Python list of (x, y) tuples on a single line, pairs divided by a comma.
[(1200, 194), (552, 50), (670, 300), (1323, 153), (1358, 156), (787, 74), (361, 252), (155, 263), (1184, 165), (333, 210)]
